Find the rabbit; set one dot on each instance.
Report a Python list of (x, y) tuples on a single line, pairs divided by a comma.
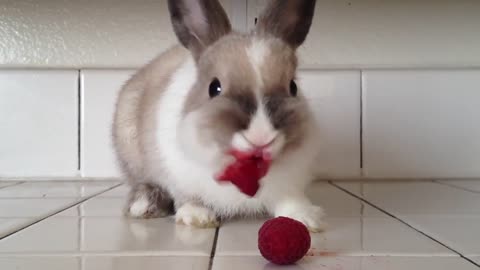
[(216, 90)]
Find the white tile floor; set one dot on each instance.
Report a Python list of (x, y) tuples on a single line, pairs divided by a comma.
[(399, 225)]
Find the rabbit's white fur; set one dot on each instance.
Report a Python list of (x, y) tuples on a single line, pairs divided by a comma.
[(159, 130), (282, 192)]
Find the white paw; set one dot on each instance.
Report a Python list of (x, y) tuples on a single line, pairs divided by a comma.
[(139, 207), (311, 216), (197, 216), (143, 208)]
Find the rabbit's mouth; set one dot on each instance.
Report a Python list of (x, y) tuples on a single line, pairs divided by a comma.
[(266, 146)]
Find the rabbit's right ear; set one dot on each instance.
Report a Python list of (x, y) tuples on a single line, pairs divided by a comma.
[(198, 23)]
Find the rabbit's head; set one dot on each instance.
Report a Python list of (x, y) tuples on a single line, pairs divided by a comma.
[(245, 96)]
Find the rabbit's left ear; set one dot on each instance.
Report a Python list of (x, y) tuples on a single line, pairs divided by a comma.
[(198, 23), (289, 20)]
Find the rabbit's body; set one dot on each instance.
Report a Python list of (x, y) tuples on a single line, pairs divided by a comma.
[(171, 137)]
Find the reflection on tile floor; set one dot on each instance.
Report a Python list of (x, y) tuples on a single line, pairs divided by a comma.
[(5, 184), (448, 211), (58, 189), (94, 234), (347, 263)]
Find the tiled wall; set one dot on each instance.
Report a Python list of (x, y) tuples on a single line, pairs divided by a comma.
[(421, 123), (394, 124), (345, 33), (38, 123), (100, 34), (334, 97), (418, 118)]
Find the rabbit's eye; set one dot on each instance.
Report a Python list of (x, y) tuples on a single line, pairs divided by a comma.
[(293, 88), (215, 88)]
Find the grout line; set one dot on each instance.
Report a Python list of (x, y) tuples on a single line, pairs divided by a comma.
[(59, 211), (247, 28), (214, 248), (80, 263), (233, 254), (362, 221), (79, 121), (12, 185), (404, 222), (109, 254), (361, 122), (49, 198), (352, 254), (80, 231), (456, 187)]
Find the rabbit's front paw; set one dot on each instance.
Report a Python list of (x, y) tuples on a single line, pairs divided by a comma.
[(197, 216), (311, 216), (148, 201)]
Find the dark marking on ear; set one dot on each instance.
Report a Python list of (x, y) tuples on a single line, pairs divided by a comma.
[(198, 23), (289, 20)]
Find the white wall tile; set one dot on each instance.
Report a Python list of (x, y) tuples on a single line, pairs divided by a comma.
[(38, 120), (334, 97), (125, 33), (421, 123), (344, 34), (99, 92), (376, 33)]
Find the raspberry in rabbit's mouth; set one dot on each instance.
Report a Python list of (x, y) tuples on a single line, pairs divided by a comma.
[(247, 170)]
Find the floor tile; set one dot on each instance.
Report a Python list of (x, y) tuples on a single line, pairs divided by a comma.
[(121, 191), (54, 189), (96, 187), (458, 232), (335, 202), (32, 207), (40, 263), (347, 263), (420, 198), (146, 263), (4, 184), (470, 185), (448, 214), (375, 235), (110, 235), (103, 207), (350, 186), (73, 211), (9, 225), (162, 236), (51, 235)]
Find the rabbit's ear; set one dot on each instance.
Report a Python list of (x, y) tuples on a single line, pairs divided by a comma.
[(289, 20), (198, 23)]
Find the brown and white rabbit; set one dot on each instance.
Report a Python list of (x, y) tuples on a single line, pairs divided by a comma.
[(178, 116)]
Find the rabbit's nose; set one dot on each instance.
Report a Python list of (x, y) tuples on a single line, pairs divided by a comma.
[(254, 141), (260, 141)]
